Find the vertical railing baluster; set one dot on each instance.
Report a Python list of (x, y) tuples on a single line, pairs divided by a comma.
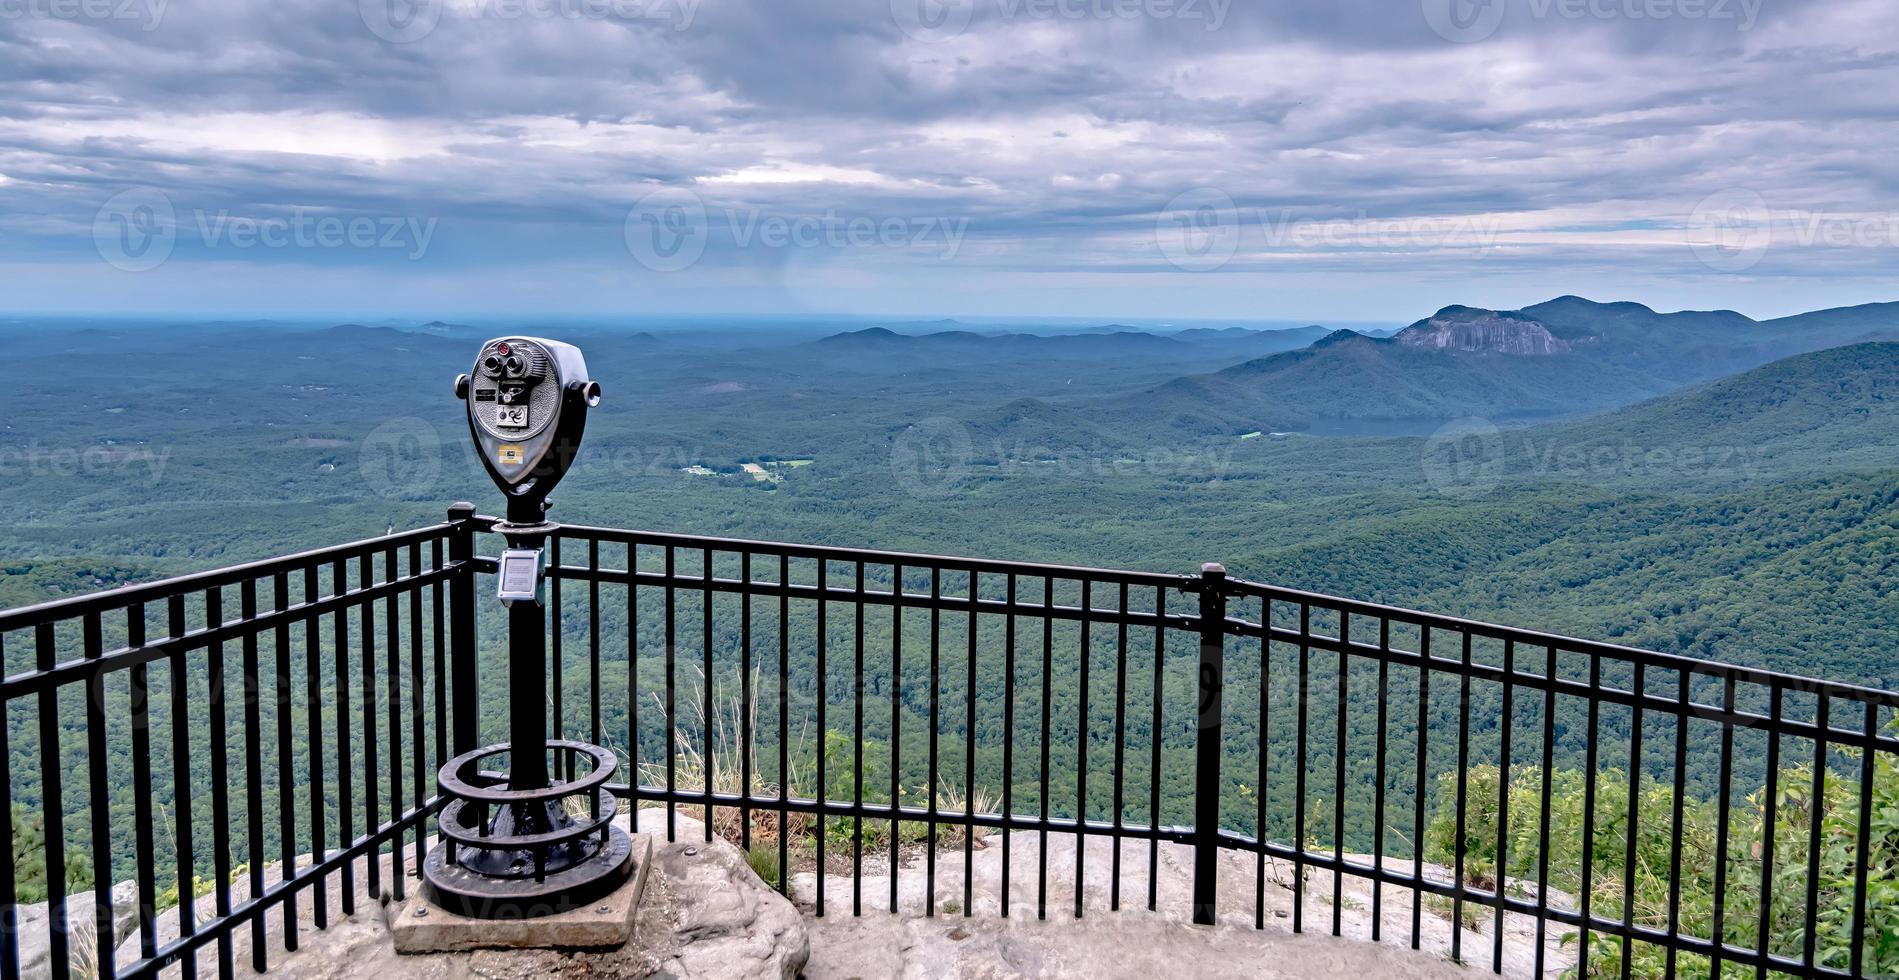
[(1154, 763), (1048, 667), (313, 723), (9, 896), (1211, 707), (1421, 789), (969, 759), (286, 780), (1675, 825), (392, 683), (824, 732), (593, 640), (1338, 765), (1299, 772), (1816, 814), (1120, 744), (464, 698), (706, 688), (1008, 730), (1503, 800), (784, 719), (936, 699), (439, 640), (1378, 780), (672, 716), (181, 793), (1260, 747), (418, 717), (220, 779), (1543, 814), (345, 788), (745, 702), (145, 847), (554, 654), (253, 769), (1081, 748), (372, 797), (896, 729), (633, 690), (1721, 820), (99, 792), (857, 749), (53, 809), (1589, 813), (1863, 846), (1640, 688), (1770, 797), (1463, 801)]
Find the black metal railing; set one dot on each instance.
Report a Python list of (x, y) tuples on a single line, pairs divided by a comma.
[(813, 702)]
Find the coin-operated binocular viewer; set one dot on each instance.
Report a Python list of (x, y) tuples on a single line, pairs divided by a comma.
[(538, 839)]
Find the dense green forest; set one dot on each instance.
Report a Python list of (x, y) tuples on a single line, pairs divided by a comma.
[(1749, 514)]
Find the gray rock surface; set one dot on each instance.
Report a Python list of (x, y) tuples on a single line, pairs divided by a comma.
[(704, 915), (36, 938), (1134, 942)]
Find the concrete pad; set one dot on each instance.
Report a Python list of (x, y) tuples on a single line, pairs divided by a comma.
[(420, 926)]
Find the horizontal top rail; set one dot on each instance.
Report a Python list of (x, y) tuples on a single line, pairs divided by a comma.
[(56, 610), (1569, 644), (1186, 583)]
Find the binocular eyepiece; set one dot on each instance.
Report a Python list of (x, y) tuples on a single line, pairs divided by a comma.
[(526, 429)]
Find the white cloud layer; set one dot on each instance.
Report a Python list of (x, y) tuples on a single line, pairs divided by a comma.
[(1375, 165)]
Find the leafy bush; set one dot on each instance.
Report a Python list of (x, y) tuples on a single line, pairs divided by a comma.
[(1739, 900)]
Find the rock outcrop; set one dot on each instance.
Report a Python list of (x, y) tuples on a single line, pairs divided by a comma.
[(1461, 328), (82, 946), (704, 915)]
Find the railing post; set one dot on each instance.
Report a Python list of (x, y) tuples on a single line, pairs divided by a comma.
[(1206, 787), (463, 701)]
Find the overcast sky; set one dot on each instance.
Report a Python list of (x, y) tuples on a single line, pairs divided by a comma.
[(1358, 160)]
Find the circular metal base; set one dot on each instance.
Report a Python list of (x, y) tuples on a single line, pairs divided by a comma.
[(464, 892)]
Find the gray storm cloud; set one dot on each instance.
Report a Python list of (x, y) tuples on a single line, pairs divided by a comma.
[(1571, 143)]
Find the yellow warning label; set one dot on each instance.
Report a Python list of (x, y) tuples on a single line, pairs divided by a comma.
[(508, 454)]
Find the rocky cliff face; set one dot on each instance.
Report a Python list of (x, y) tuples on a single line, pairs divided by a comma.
[(1461, 328)]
